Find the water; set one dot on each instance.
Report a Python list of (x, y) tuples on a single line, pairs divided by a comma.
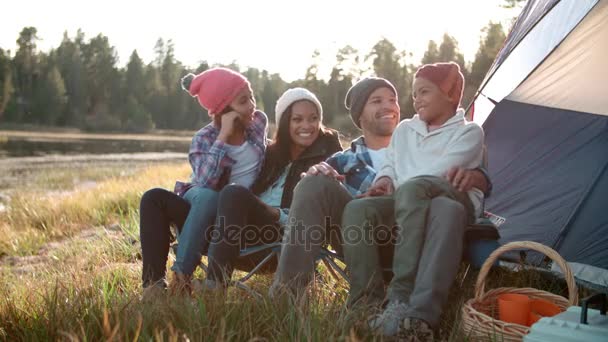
[(59, 144), (28, 159)]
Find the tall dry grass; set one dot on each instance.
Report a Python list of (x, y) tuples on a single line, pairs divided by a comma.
[(73, 273)]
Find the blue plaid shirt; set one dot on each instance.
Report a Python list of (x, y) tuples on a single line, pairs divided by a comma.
[(356, 165)]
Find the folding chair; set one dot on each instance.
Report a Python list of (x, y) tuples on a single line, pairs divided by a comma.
[(267, 264), (329, 258), (263, 266)]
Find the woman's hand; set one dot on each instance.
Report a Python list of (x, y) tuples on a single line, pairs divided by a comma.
[(382, 187)]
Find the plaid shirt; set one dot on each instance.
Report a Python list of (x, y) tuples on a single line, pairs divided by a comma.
[(208, 156), (356, 165)]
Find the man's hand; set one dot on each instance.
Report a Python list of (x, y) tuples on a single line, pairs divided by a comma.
[(323, 169), (383, 186), (464, 179)]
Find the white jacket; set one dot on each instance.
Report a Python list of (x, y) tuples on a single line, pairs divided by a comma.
[(414, 151)]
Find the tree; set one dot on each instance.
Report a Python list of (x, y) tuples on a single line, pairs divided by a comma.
[(449, 52), (6, 81), (431, 55), (138, 118), (512, 3), (348, 62), (385, 61), (388, 63), (273, 87), (346, 69), (173, 112), (490, 44), (49, 96), (153, 93), (26, 67), (100, 66), (159, 50), (311, 79), (69, 60), (135, 77)]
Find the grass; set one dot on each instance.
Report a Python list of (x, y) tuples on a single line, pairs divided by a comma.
[(72, 268), (35, 217)]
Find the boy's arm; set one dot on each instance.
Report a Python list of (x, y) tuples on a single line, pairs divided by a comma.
[(466, 179), (388, 169)]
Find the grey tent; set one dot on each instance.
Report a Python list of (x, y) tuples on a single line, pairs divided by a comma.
[(544, 109)]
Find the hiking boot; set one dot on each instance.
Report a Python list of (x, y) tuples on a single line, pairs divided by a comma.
[(387, 323), (213, 285), (180, 285), (415, 330), (154, 291)]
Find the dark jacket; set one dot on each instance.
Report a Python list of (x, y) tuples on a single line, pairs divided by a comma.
[(326, 144)]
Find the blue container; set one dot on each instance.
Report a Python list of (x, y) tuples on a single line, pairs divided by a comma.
[(567, 327)]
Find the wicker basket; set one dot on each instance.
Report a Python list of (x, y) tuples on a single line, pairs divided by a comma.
[(480, 314)]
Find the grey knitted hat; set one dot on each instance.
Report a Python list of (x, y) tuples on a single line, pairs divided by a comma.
[(357, 95)]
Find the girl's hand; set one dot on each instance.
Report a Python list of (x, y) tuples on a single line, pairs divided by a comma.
[(229, 121)]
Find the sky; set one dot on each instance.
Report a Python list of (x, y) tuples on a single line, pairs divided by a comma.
[(279, 36)]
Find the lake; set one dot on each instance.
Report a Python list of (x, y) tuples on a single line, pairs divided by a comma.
[(31, 144), (49, 160)]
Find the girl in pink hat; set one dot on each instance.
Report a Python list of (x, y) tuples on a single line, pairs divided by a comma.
[(228, 150)]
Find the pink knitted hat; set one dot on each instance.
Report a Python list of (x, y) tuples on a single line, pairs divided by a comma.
[(216, 88), (446, 76)]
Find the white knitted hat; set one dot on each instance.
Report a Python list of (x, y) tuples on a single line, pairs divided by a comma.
[(294, 95)]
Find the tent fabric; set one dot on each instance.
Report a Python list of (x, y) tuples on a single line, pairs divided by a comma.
[(544, 110), (533, 49), (530, 15), (594, 277), (572, 77), (543, 162)]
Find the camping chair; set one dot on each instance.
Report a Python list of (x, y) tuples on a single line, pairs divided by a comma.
[(267, 262), (266, 265)]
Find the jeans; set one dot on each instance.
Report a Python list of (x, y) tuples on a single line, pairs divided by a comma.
[(427, 241), (314, 220), (194, 236), (243, 220)]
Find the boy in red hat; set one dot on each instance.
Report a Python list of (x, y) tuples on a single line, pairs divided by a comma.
[(420, 158)]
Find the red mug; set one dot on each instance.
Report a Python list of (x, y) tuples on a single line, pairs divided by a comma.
[(514, 308), (540, 308)]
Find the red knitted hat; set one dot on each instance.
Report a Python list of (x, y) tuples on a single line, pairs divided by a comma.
[(446, 76), (216, 88)]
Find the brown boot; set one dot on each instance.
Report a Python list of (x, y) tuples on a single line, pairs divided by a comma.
[(180, 285), (153, 292)]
